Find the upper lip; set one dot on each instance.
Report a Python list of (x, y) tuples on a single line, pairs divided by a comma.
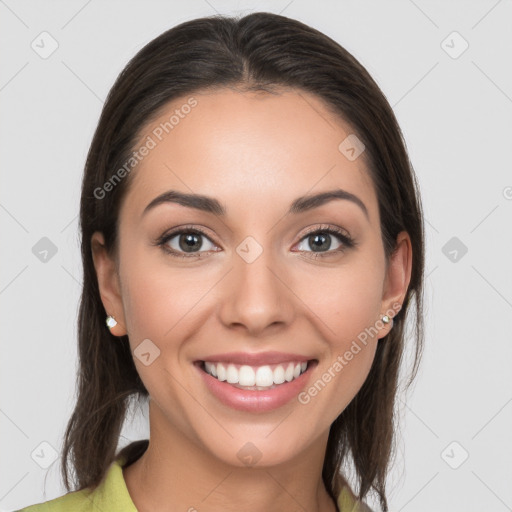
[(255, 359)]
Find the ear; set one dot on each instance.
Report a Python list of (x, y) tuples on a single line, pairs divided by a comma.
[(397, 279), (108, 283)]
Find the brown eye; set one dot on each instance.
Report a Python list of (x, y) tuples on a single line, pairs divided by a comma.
[(320, 241), (186, 242)]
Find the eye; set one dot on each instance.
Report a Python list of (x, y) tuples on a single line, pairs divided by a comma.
[(320, 238), (188, 242), (185, 243)]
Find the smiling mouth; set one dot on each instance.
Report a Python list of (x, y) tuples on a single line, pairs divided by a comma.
[(256, 378)]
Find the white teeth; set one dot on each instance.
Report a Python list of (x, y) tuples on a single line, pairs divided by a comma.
[(246, 376), (261, 376), (278, 375), (232, 375), (288, 374), (264, 376), (221, 372)]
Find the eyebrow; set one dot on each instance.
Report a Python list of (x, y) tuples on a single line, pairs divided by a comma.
[(212, 205)]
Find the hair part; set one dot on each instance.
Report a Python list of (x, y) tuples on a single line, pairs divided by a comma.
[(258, 52)]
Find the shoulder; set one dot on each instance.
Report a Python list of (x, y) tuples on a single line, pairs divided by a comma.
[(77, 501), (347, 502), (111, 494)]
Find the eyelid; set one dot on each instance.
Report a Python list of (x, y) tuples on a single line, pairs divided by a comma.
[(325, 227)]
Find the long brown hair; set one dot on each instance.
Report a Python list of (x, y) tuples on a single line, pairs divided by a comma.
[(260, 51)]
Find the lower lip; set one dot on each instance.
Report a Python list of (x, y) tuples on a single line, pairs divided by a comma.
[(253, 400)]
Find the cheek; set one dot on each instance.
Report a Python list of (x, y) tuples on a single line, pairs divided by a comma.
[(347, 303), (157, 297), (347, 300)]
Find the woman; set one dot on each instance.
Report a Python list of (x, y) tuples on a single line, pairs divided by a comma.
[(252, 236)]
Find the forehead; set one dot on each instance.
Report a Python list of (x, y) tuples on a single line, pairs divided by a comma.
[(250, 150)]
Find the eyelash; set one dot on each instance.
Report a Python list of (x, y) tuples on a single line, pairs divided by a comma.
[(347, 241)]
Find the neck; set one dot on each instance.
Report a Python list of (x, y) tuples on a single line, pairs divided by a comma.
[(175, 473)]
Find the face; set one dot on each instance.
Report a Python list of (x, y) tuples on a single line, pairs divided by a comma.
[(287, 303)]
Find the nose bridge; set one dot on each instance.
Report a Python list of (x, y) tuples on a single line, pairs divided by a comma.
[(256, 297)]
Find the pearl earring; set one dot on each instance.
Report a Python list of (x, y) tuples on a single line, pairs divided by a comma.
[(111, 322), (386, 319)]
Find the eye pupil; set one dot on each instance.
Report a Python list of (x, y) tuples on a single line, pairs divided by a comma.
[(320, 238), (190, 241)]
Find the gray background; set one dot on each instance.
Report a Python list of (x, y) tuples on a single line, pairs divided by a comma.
[(455, 111)]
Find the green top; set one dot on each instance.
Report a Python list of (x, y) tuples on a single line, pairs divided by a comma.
[(112, 495)]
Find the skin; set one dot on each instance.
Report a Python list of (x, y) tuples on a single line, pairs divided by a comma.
[(256, 153)]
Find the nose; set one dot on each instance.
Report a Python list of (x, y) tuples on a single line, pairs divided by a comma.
[(256, 297)]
